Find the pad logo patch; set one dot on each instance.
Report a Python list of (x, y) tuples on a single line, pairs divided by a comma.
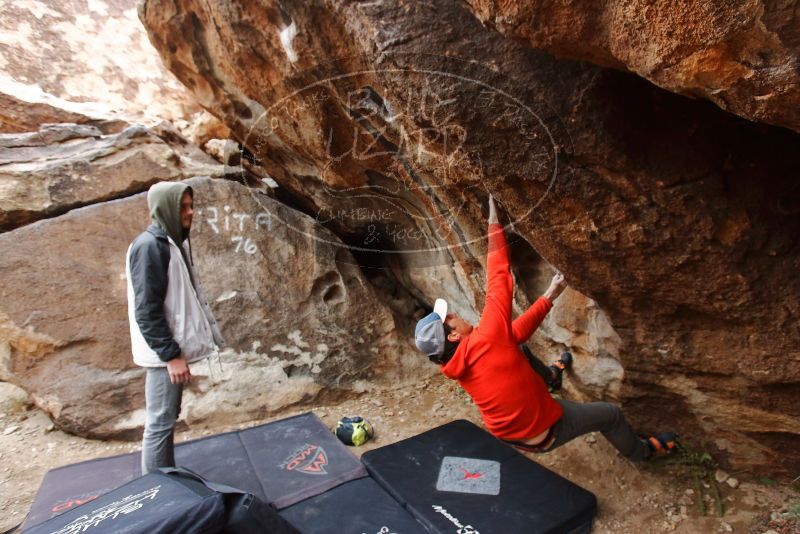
[(469, 475), (63, 506), (309, 459)]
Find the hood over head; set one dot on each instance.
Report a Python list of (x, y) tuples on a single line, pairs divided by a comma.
[(164, 201)]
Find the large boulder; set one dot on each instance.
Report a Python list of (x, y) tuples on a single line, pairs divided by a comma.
[(18, 115), (297, 312), (389, 123), (64, 166), (743, 56), (87, 58)]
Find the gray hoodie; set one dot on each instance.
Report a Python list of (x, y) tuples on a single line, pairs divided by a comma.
[(168, 313), (164, 201)]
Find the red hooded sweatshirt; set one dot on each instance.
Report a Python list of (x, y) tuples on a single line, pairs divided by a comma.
[(488, 364)]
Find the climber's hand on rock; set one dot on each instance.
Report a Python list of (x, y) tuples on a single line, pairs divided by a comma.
[(492, 211), (557, 286)]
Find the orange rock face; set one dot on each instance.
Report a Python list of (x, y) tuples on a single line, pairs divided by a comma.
[(390, 123), (743, 56)]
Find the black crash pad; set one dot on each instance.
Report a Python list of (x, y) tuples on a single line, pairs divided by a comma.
[(459, 478), (357, 507), (297, 458), (282, 463), (152, 503)]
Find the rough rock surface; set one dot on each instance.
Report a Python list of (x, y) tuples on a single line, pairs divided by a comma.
[(91, 58), (202, 127), (63, 315), (18, 115), (743, 56), (64, 166), (678, 219)]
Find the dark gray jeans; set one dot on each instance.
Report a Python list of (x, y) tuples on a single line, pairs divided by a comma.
[(582, 418), (162, 406)]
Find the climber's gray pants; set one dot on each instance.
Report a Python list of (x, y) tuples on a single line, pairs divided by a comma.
[(582, 418)]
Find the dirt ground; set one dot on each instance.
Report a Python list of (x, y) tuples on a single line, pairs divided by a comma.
[(631, 499)]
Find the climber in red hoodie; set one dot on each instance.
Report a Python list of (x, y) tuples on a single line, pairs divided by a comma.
[(513, 399)]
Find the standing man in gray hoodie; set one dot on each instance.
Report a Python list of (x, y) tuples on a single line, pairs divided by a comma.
[(170, 321)]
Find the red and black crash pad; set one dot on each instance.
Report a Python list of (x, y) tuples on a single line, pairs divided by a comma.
[(281, 463), (459, 478)]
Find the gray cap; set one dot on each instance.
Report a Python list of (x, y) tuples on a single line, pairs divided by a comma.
[(429, 333)]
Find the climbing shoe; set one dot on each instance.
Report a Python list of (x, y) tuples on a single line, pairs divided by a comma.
[(662, 444), (563, 363)]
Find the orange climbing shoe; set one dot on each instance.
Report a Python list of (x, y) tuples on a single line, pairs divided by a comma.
[(662, 444)]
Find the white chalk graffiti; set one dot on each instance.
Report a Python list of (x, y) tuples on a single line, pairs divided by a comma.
[(124, 506), (248, 247), (225, 221)]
